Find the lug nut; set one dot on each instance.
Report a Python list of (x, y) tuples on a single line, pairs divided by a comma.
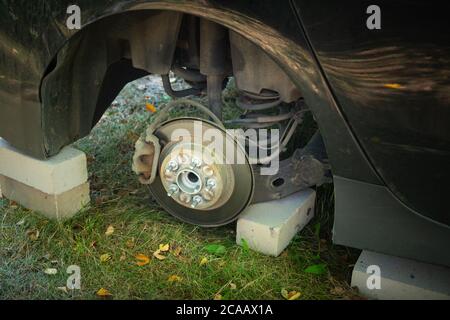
[(196, 201), (173, 189)]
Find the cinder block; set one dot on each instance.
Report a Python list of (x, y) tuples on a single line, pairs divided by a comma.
[(56, 187), (56, 175), (54, 206), (400, 279), (269, 227)]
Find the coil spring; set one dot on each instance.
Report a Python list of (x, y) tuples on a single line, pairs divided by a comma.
[(253, 118)]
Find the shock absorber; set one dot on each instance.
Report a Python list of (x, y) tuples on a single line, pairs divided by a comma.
[(214, 61)]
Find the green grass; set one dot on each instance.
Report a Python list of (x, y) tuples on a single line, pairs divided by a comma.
[(118, 200)]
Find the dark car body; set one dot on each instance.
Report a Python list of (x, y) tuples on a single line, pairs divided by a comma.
[(381, 97)]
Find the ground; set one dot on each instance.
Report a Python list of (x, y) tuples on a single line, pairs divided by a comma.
[(114, 240)]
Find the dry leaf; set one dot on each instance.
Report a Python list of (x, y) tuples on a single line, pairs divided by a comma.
[(50, 271), (174, 278), (109, 231), (157, 254), (142, 259), (102, 292), (105, 257), (338, 291), (203, 261), (218, 296), (130, 243), (177, 251), (63, 289), (150, 107), (233, 286), (164, 247), (291, 295), (33, 234), (123, 256)]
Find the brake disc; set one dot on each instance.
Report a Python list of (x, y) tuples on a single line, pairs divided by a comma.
[(198, 182)]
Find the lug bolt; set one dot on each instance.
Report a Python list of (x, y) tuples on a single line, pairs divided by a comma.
[(172, 166), (211, 184), (173, 189), (196, 201), (196, 163)]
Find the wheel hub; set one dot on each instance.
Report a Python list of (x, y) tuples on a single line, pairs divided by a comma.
[(196, 183)]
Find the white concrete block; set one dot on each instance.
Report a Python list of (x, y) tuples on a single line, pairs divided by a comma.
[(56, 175), (269, 227), (401, 278)]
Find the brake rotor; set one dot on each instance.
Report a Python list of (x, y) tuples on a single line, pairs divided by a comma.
[(207, 182)]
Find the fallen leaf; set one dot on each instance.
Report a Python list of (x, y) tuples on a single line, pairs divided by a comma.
[(164, 247), (203, 261), (317, 269), (338, 291), (105, 257), (109, 231), (233, 286), (33, 234), (130, 243), (63, 289), (216, 249), (150, 107), (102, 292), (51, 271), (123, 256), (142, 259), (177, 251), (174, 278), (157, 254), (217, 296), (291, 295)]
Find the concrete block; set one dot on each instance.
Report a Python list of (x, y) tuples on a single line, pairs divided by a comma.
[(269, 227), (56, 187), (401, 279), (56, 175), (55, 206)]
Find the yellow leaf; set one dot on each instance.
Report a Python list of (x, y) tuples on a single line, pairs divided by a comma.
[(33, 234), (217, 296), (109, 231), (142, 259), (150, 107), (157, 254), (130, 243), (177, 251), (294, 295), (164, 247), (102, 292), (174, 278), (105, 257), (203, 261), (291, 295)]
